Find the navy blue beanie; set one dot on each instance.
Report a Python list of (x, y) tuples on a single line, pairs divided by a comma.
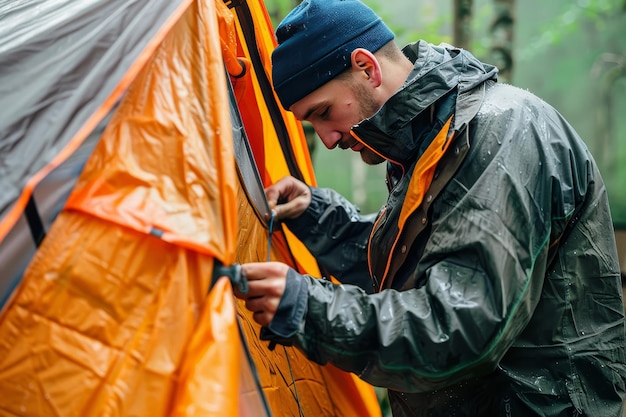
[(315, 41)]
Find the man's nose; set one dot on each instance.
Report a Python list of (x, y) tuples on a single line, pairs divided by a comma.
[(329, 139)]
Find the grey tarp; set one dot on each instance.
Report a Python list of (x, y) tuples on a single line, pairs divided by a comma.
[(63, 65)]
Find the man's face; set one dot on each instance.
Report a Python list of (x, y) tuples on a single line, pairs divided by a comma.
[(334, 108)]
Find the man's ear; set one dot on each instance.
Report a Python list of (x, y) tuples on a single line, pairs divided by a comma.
[(365, 62)]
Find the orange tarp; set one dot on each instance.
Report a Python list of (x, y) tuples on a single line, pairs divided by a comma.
[(102, 322)]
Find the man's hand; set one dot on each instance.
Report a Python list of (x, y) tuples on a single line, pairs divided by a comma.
[(266, 285), (288, 198)]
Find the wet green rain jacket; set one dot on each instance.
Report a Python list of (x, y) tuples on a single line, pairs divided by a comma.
[(493, 266)]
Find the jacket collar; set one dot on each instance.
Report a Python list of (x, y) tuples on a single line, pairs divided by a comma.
[(444, 81)]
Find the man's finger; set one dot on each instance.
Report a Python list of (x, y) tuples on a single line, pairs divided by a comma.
[(257, 288), (264, 318), (281, 211), (272, 198), (254, 271), (273, 287), (263, 270), (256, 304)]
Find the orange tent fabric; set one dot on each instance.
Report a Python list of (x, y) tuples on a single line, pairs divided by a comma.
[(103, 318)]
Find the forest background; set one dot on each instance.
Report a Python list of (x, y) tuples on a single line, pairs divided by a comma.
[(570, 53)]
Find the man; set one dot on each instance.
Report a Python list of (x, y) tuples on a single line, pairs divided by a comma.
[(488, 284)]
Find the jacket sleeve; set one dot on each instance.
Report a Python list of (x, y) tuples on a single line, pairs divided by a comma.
[(479, 279), (336, 234), (417, 340)]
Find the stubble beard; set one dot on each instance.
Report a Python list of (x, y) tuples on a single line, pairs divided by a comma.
[(368, 107)]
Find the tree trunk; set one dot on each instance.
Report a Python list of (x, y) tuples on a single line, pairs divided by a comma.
[(462, 32), (501, 31), (609, 69)]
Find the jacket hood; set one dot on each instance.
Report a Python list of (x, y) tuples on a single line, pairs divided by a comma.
[(397, 131)]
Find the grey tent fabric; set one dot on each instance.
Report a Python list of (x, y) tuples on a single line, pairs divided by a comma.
[(63, 66)]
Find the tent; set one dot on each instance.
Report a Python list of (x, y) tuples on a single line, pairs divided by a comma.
[(135, 142)]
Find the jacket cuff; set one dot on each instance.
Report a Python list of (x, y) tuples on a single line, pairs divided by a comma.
[(289, 317)]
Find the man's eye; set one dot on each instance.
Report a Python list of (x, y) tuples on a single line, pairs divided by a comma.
[(325, 113)]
